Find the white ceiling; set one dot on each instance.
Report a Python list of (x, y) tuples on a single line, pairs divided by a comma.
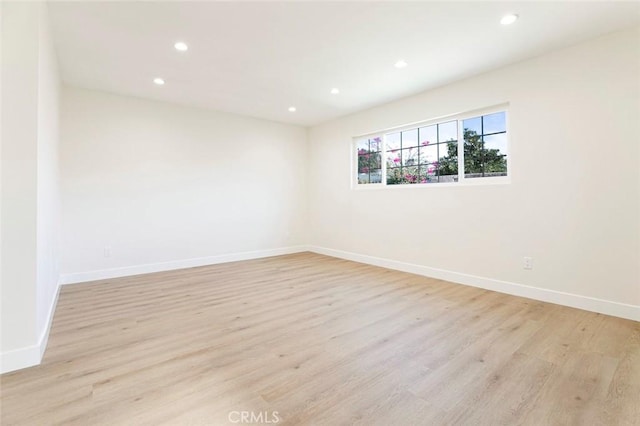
[(257, 59)]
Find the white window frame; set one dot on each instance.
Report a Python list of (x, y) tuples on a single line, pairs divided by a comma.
[(462, 181)]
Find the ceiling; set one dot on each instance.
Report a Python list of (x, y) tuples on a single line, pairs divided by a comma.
[(258, 59)]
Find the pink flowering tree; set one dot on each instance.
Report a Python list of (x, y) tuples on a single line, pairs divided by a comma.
[(408, 169)]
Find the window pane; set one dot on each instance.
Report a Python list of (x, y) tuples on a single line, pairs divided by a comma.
[(393, 159), (394, 176), (429, 173), (428, 135), (363, 164), (448, 150), (448, 171), (497, 170), (496, 142), (472, 147), (363, 146), (393, 141), (473, 154), (448, 163), (376, 144), (410, 157), (494, 123), (491, 164), (368, 162), (473, 124), (472, 170), (410, 138), (494, 163), (448, 131), (428, 154), (411, 174)]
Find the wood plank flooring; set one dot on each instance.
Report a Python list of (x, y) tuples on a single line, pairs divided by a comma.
[(309, 339)]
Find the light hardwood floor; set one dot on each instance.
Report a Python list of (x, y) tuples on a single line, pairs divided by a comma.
[(322, 341)]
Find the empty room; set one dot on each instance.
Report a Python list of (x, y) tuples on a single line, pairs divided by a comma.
[(320, 213)]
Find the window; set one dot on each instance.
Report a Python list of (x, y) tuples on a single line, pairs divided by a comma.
[(369, 160), (485, 146), (431, 153)]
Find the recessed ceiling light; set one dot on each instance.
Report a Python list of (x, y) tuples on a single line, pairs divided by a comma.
[(181, 46), (158, 81), (400, 64), (509, 19), (335, 91), (292, 109)]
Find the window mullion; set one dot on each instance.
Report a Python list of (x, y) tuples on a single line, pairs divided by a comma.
[(383, 159), (460, 151)]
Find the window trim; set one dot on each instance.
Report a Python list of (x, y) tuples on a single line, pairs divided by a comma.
[(462, 181)]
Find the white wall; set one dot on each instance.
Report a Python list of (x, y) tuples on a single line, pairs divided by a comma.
[(48, 203), (573, 203), (19, 176), (29, 191), (158, 183)]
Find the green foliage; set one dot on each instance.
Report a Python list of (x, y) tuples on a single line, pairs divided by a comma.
[(448, 165), (480, 160), (477, 159)]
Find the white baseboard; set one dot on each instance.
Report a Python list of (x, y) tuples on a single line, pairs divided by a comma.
[(30, 355), (19, 358), (80, 277), (592, 304), (44, 337)]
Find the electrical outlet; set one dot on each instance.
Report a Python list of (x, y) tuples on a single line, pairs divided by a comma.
[(107, 251), (527, 262)]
